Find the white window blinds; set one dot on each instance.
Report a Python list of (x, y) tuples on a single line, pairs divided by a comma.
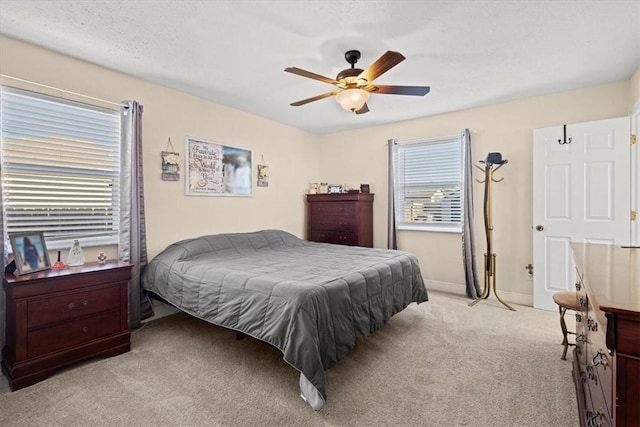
[(60, 168), (428, 176)]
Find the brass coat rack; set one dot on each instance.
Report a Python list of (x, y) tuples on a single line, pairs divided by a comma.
[(491, 160)]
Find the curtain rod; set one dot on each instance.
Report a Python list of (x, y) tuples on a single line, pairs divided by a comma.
[(61, 90)]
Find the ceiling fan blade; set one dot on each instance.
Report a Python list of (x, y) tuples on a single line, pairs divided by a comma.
[(315, 98), (364, 109), (399, 90), (309, 74), (387, 61)]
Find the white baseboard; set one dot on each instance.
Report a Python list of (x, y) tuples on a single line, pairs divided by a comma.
[(457, 288)]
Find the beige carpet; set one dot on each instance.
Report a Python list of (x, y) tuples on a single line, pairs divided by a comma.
[(437, 364)]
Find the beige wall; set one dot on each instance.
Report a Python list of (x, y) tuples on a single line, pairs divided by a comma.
[(361, 156), (169, 113), (352, 158)]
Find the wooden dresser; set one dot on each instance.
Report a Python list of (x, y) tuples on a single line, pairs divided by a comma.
[(606, 366), (346, 219), (55, 318)]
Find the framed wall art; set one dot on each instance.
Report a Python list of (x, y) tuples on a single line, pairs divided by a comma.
[(29, 252), (215, 169)]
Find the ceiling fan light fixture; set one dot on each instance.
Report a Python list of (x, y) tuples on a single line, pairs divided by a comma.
[(352, 99)]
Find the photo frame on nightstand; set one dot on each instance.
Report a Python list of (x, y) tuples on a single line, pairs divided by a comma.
[(29, 252)]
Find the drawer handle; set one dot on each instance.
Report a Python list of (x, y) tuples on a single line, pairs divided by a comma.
[(592, 375), (578, 318), (599, 359), (582, 302), (581, 338), (84, 304), (578, 285), (592, 325), (595, 420)]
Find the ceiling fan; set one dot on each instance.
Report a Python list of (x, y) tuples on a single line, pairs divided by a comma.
[(355, 85)]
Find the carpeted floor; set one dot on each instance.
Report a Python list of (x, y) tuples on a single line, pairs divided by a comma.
[(437, 364)]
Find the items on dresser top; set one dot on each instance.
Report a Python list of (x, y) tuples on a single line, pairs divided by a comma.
[(56, 318), (345, 219), (606, 365)]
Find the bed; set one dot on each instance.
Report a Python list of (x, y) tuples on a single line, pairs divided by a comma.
[(309, 300)]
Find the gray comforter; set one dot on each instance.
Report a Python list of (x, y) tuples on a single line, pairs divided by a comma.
[(310, 300)]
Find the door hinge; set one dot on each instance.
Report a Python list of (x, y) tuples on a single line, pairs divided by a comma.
[(633, 139), (634, 215)]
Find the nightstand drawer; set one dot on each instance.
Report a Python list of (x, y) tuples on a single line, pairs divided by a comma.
[(46, 311), (47, 340)]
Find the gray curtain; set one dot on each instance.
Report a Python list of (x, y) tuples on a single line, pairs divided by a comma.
[(468, 244), (392, 233), (133, 241)]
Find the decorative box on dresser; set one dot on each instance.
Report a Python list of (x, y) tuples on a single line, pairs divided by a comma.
[(345, 218), (606, 366), (56, 318)]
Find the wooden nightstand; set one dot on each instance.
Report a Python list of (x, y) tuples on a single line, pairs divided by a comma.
[(56, 318)]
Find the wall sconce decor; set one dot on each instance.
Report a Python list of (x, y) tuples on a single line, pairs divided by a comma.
[(263, 173), (170, 163)]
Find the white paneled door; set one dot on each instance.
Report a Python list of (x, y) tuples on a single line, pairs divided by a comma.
[(581, 193)]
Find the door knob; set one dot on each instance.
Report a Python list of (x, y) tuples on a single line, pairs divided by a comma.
[(539, 227)]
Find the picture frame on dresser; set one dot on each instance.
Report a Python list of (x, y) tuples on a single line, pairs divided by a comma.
[(334, 189), (29, 252)]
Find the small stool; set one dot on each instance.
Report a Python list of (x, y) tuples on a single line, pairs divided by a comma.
[(566, 300)]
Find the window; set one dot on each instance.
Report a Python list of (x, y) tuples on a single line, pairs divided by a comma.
[(60, 168), (428, 182)]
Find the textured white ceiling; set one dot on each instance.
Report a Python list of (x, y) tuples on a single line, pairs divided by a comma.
[(471, 53)]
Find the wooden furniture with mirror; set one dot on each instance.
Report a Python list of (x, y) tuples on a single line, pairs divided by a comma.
[(345, 219), (56, 318)]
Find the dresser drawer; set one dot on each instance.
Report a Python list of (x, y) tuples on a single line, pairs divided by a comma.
[(341, 238), (47, 340), (45, 311), (334, 223), (333, 208)]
